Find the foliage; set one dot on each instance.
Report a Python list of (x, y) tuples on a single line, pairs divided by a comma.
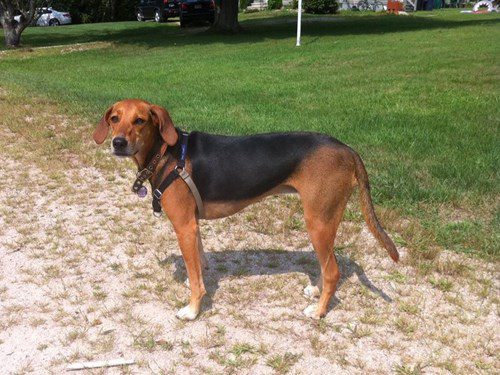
[(92, 11), (321, 6), (89, 11), (274, 4), (244, 4)]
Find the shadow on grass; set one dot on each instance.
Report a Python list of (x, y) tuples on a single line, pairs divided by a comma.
[(237, 263), (161, 35)]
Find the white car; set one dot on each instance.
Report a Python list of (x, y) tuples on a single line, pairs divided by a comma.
[(49, 17)]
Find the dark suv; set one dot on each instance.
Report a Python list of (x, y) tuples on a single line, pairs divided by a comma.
[(159, 10), (196, 11)]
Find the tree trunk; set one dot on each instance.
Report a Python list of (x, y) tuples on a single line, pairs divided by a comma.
[(12, 29), (113, 9), (226, 19), (12, 36)]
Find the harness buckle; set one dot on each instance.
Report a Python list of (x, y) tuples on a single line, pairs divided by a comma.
[(144, 174), (157, 194), (157, 213)]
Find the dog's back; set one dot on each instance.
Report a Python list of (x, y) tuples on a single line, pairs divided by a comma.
[(245, 167)]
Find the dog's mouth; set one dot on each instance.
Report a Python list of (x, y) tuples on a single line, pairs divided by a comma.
[(123, 153)]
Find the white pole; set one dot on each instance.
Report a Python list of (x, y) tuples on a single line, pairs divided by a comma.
[(299, 23)]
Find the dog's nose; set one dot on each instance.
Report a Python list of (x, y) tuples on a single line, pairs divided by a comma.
[(119, 143)]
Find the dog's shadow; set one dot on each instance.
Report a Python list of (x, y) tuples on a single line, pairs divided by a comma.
[(238, 263)]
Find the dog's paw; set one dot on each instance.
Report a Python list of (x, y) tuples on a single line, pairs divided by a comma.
[(186, 313), (186, 282), (311, 291), (310, 311)]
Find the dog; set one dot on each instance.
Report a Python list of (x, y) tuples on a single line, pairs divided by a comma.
[(232, 172)]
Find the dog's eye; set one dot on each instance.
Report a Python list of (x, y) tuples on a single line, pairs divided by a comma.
[(115, 119), (139, 121)]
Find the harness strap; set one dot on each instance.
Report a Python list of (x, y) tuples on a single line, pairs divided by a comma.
[(196, 194), (158, 192), (147, 172), (178, 171)]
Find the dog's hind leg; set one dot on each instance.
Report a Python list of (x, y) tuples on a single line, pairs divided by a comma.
[(325, 182), (322, 237), (203, 258), (323, 217)]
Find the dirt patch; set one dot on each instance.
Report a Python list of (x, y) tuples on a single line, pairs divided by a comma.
[(52, 50), (87, 273)]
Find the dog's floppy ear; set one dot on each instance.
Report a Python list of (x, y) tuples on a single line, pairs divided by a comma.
[(102, 130), (165, 124)]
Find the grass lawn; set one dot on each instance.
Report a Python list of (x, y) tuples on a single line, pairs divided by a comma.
[(416, 96)]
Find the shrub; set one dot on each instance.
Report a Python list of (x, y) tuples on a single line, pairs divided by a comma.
[(87, 11), (274, 4), (295, 4), (244, 4), (84, 18), (321, 6)]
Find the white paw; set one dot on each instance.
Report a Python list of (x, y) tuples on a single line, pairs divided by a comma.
[(186, 313), (187, 282), (310, 311), (311, 291)]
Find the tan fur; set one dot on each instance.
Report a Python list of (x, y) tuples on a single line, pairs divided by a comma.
[(217, 210)]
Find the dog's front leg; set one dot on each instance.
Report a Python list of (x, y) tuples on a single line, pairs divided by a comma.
[(188, 235), (203, 258)]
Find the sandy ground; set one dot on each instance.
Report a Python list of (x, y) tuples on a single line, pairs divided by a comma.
[(87, 273)]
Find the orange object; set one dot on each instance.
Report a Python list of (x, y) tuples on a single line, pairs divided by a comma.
[(394, 6)]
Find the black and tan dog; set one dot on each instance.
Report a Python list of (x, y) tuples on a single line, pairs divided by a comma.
[(233, 172)]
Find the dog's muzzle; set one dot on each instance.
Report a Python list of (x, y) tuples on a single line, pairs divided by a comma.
[(121, 146)]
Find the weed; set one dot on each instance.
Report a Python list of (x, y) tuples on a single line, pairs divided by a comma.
[(441, 284), (405, 325), (282, 363), (408, 369)]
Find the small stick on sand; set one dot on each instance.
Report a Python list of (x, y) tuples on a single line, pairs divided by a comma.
[(96, 364)]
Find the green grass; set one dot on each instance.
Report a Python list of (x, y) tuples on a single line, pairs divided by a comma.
[(416, 96)]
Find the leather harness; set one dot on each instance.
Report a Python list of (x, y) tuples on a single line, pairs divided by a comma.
[(178, 171)]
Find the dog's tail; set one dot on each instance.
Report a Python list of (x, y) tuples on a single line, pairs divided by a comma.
[(368, 211)]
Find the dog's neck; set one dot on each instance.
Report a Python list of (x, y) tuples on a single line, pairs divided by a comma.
[(151, 146)]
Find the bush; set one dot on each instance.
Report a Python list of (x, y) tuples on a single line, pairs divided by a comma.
[(87, 11), (244, 4), (321, 6), (295, 4), (274, 4)]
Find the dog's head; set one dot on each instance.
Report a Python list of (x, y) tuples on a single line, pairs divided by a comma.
[(134, 123)]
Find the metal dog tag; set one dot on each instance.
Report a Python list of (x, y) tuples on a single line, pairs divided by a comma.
[(142, 192)]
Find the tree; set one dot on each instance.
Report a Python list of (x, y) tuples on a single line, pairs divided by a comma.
[(12, 28), (226, 18)]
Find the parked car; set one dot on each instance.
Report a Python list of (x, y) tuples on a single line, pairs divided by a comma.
[(48, 17), (186, 10), (159, 10), (196, 11)]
